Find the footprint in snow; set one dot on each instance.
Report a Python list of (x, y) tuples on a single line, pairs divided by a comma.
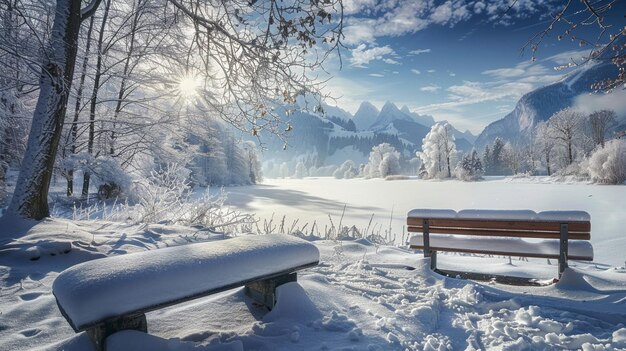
[(30, 332), (30, 296)]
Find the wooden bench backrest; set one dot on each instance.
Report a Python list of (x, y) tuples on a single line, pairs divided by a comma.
[(540, 229)]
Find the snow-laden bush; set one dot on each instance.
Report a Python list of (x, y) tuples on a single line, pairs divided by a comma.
[(162, 194), (390, 165), (438, 151), (347, 170), (607, 164), (377, 155), (301, 170), (470, 168)]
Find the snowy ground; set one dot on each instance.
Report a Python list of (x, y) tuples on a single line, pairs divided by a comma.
[(362, 296), (314, 199)]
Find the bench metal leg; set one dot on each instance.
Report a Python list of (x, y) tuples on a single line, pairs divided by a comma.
[(264, 291), (99, 333), (427, 251), (563, 249), (433, 260)]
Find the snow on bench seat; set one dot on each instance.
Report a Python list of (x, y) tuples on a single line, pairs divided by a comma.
[(502, 215), (498, 215), (431, 213), (577, 249), (564, 216), (91, 292)]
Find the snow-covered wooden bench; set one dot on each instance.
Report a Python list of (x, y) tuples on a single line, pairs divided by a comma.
[(563, 234), (107, 295)]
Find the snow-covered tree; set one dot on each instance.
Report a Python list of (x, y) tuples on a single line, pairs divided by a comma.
[(566, 127), (284, 170), (390, 165), (301, 170), (470, 167), (600, 121), (608, 164), (254, 164), (378, 153), (545, 144), (438, 151)]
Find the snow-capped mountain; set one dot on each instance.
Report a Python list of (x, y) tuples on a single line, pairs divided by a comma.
[(389, 114), (425, 120), (365, 116), (540, 104)]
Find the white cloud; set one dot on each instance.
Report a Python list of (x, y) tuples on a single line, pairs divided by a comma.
[(369, 19), (431, 71), (431, 88), (361, 55), (615, 101), (355, 6), (574, 56), (416, 71), (450, 13), (377, 75), (419, 51), (391, 61), (452, 74), (505, 72)]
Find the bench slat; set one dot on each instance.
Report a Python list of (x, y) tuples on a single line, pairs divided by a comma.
[(531, 225), (496, 233), (578, 250), (502, 253)]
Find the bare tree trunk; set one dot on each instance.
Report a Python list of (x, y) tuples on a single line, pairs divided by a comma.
[(94, 96), (569, 151), (79, 99), (122, 92), (30, 198), (548, 162)]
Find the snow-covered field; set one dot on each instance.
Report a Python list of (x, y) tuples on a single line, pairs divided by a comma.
[(314, 199), (362, 296)]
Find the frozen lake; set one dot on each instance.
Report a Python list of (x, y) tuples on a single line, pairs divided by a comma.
[(314, 199)]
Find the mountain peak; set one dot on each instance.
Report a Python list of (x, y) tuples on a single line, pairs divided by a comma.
[(389, 105), (405, 109), (365, 116)]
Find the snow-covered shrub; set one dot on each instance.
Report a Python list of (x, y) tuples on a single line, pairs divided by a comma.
[(301, 170), (210, 211), (438, 151), (162, 195), (470, 167), (390, 165), (607, 164), (377, 155), (347, 170), (365, 172)]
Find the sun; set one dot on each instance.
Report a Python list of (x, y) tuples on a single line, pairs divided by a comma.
[(188, 87)]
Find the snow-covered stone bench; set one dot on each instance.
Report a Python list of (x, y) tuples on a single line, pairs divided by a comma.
[(564, 234), (107, 295)]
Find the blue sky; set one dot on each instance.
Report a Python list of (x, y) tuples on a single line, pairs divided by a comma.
[(458, 60)]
